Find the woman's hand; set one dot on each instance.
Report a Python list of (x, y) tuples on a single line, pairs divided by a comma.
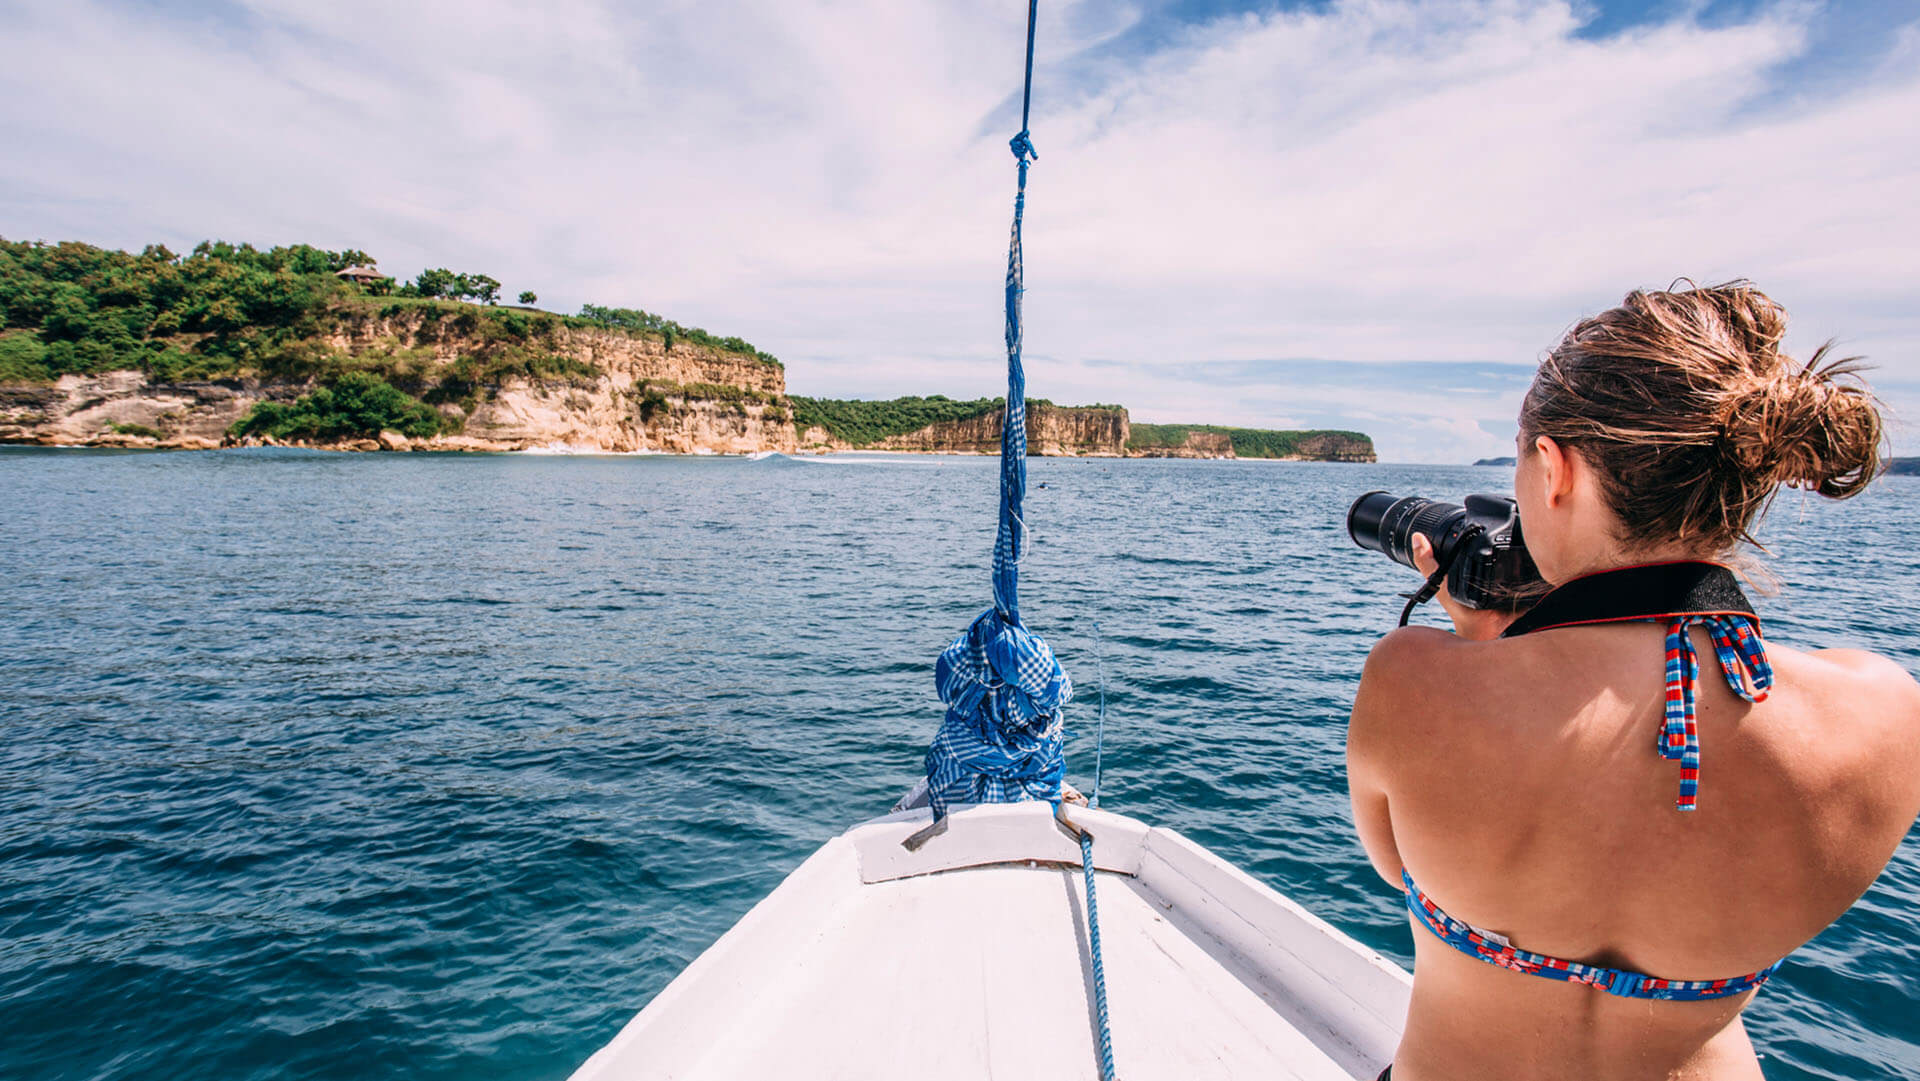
[(1475, 623)]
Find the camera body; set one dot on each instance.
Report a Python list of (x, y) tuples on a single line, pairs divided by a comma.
[(1478, 542)]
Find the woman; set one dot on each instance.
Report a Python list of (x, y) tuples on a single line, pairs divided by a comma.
[(1605, 853)]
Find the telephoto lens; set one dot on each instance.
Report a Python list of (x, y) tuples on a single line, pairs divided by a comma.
[(1478, 545), (1386, 525)]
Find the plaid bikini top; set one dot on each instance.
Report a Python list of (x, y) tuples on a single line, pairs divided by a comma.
[(1680, 595)]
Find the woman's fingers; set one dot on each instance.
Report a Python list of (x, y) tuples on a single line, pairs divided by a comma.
[(1423, 560)]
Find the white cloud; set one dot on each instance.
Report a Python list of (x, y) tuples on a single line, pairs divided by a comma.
[(1448, 181)]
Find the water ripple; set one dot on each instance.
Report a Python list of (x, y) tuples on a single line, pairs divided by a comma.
[(333, 766)]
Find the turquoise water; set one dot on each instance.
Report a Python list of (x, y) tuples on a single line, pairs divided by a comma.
[(382, 766)]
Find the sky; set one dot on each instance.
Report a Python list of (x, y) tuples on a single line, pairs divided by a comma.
[(1360, 214)]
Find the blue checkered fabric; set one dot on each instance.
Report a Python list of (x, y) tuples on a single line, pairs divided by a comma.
[(1006, 695)]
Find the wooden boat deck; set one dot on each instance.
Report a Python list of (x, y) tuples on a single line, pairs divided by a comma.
[(969, 959)]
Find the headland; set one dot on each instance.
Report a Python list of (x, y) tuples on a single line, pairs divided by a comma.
[(231, 345)]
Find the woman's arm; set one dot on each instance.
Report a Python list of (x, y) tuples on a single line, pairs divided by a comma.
[(1371, 743)]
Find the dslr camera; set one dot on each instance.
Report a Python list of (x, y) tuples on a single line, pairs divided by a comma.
[(1483, 558)]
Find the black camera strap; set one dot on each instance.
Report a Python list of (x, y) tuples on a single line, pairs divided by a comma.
[(1432, 587), (1634, 593)]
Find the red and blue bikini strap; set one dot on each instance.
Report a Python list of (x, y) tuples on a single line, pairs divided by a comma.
[(1679, 595), (1743, 660), (1496, 950)]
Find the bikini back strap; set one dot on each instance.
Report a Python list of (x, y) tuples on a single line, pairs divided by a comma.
[(1679, 595), (1743, 660), (1496, 950)]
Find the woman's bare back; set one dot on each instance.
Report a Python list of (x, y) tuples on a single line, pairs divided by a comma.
[(1537, 807)]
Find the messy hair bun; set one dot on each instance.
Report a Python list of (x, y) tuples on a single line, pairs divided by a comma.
[(1693, 417)]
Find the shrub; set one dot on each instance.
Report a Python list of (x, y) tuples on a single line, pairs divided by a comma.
[(637, 321), (23, 359), (862, 422), (356, 405), (98, 310), (1247, 442)]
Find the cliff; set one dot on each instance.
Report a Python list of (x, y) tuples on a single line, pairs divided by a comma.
[(551, 385), (235, 344), (1071, 431), (1052, 431), (1194, 444), (1211, 441)]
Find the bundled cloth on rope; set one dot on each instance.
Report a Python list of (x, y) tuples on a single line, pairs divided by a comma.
[(1005, 693)]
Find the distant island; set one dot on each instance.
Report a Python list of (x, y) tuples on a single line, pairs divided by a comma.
[(234, 345), (1496, 461)]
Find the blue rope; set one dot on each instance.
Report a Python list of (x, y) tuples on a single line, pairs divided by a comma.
[(1005, 692), (1107, 1072), (1100, 727)]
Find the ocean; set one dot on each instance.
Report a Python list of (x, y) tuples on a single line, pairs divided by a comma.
[(335, 766)]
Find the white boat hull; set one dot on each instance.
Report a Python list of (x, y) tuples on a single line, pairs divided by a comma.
[(968, 959)]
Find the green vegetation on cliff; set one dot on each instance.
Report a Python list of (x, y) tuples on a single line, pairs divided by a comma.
[(226, 310), (864, 423), (355, 405), (1247, 442), (659, 326), (219, 310)]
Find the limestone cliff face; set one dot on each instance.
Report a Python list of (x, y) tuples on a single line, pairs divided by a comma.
[(1198, 445), (508, 383), (1337, 448), (608, 416), (120, 409), (640, 396), (1218, 443), (1052, 431), (624, 359)]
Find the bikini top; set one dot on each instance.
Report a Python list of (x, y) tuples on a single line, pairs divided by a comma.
[(1680, 595)]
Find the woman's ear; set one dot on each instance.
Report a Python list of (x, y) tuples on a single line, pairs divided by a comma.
[(1556, 470)]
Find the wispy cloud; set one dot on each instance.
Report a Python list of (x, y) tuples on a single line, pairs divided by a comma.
[(1415, 198)]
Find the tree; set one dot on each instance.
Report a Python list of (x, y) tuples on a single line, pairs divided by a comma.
[(438, 282), (481, 288), (527, 297)]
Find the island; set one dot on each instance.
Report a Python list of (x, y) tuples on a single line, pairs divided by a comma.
[(1496, 461), (1903, 467), (232, 345)]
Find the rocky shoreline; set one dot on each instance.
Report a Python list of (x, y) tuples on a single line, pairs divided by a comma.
[(603, 392)]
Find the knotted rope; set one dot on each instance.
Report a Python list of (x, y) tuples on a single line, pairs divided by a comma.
[(1004, 691)]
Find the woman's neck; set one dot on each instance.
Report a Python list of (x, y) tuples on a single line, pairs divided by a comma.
[(1615, 557)]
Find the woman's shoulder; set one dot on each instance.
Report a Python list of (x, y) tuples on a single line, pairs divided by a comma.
[(1419, 681), (1425, 661), (1873, 669), (1852, 682), (1866, 705)]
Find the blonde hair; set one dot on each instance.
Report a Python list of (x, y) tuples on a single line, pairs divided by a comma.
[(1693, 417)]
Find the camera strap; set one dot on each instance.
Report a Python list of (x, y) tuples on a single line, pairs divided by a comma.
[(1432, 587), (1654, 591)]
